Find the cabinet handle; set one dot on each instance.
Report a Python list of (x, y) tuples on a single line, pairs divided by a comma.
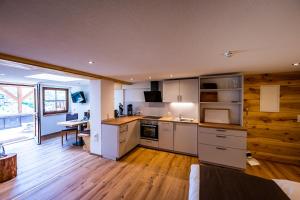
[(221, 148), (221, 136), (180, 98), (221, 130)]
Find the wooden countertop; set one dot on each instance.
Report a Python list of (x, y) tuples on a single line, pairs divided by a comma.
[(121, 120), (223, 126), (127, 119)]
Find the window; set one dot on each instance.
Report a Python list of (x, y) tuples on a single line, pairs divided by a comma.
[(16, 99), (55, 100)]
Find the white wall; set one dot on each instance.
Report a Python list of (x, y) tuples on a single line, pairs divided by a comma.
[(95, 116), (49, 122), (107, 99), (80, 108)]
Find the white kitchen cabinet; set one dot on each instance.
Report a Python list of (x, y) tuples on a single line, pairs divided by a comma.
[(133, 135), (166, 136), (117, 140), (188, 90), (184, 90), (185, 138), (171, 91), (222, 146)]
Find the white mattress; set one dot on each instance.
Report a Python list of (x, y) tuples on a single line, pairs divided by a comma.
[(291, 188)]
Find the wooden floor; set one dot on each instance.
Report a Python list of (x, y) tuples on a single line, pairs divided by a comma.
[(49, 171)]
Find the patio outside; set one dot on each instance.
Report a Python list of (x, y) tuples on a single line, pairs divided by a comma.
[(16, 113)]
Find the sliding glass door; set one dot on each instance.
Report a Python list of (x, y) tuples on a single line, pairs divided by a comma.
[(37, 114)]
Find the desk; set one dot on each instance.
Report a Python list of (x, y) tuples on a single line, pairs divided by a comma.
[(73, 123)]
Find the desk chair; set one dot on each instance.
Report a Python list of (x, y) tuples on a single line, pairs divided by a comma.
[(67, 130)]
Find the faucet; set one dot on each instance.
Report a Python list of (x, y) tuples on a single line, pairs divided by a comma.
[(180, 117)]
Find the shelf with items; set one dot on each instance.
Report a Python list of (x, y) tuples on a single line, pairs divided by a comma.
[(222, 92)]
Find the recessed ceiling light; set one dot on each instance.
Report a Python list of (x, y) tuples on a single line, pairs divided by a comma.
[(296, 64), (91, 62), (53, 77), (150, 77)]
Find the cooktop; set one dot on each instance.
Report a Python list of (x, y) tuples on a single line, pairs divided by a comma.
[(151, 117)]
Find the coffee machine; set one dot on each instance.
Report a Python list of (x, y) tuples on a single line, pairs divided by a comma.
[(129, 110)]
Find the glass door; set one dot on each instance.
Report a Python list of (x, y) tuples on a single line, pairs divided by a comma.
[(37, 114)]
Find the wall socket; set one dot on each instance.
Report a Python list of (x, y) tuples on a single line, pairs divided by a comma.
[(298, 118)]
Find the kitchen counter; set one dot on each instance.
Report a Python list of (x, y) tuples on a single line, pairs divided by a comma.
[(172, 119), (222, 126), (121, 120)]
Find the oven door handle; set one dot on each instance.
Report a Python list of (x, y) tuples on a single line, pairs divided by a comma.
[(152, 126)]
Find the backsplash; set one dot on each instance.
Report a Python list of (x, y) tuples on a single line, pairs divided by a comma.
[(189, 110)]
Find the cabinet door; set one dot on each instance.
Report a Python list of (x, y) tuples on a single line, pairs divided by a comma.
[(132, 137), (185, 138), (165, 131), (188, 89), (171, 91)]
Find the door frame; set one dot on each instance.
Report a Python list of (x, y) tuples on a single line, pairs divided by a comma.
[(37, 108)]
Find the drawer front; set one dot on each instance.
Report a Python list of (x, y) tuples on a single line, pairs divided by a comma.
[(165, 126), (222, 155), (122, 148), (123, 128), (222, 140), (149, 143), (123, 136), (223, 131)]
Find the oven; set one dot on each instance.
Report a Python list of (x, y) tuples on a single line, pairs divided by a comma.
[(149, 129)]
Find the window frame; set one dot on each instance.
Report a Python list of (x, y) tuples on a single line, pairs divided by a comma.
[(60, 111)]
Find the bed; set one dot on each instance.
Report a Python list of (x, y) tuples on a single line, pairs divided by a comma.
[(289, 189)]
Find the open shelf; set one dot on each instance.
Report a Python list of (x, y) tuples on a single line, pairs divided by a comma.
[(221, 102), (227, 95), (215, 90)]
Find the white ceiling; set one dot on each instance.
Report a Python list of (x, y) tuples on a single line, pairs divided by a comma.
[(139, 38), (15, 75)]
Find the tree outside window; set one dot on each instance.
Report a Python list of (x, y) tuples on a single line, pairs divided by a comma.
[(55, 100)]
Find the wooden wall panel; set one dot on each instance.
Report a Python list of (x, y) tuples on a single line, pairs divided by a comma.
[(273, 136)]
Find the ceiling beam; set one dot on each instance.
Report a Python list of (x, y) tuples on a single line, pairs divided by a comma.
[(28, 61)]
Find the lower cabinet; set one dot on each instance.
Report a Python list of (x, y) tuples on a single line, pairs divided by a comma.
[(149, 143), (118, 140), (222, 146), (166, 135), (185, 138)]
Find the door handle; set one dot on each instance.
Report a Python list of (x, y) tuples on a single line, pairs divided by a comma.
[(221, 136)]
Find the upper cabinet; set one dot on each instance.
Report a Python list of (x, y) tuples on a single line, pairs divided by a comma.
[(184, 90)]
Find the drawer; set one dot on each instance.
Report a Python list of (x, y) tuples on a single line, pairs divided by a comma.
[(223, 131), (222, 140), (222, 155), (149, 143), (123, 128), (123, 136), (165, 126)]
